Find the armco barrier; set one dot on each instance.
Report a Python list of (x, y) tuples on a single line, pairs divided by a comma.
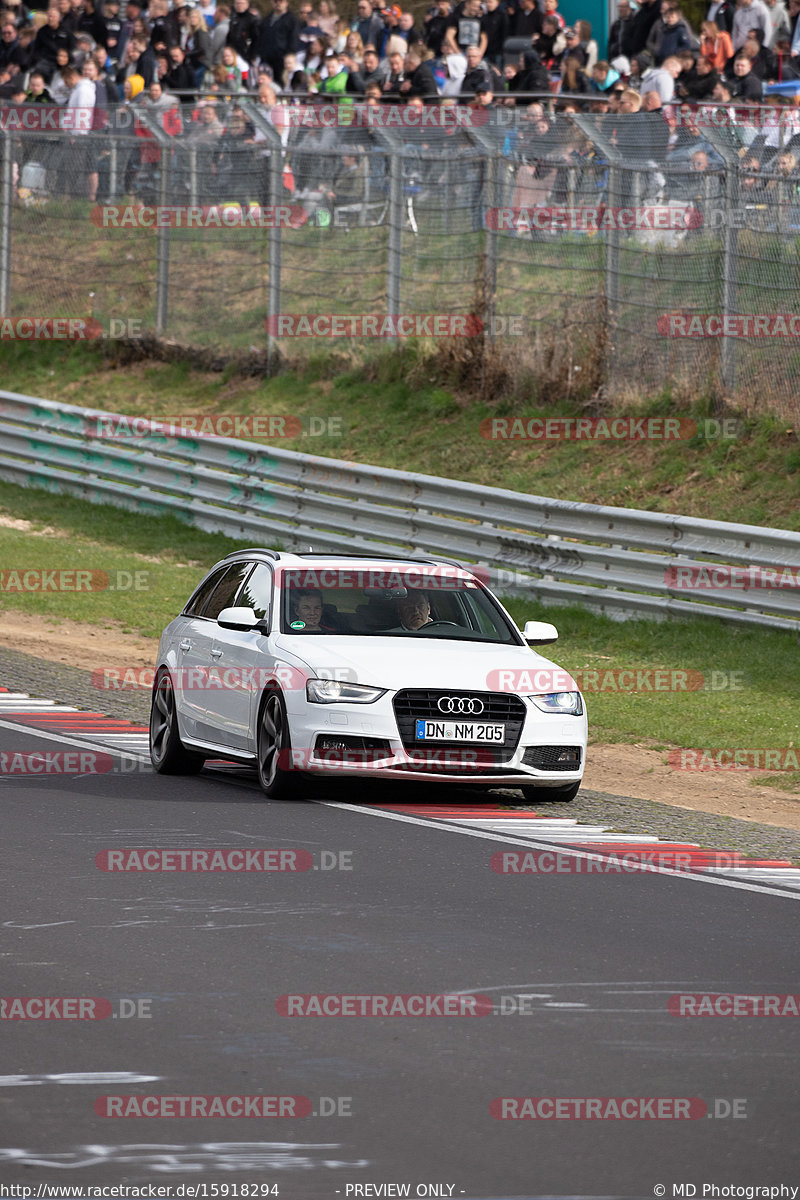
[(613, 560)]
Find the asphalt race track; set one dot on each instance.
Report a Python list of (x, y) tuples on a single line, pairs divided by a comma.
[(578, 967)]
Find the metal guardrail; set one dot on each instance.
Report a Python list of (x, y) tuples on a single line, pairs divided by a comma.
[(614, 560)]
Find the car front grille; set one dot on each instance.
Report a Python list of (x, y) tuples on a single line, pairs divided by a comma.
[(498, 708), (553, 758)]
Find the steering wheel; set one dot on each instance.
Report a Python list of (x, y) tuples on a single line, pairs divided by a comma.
[(431, 624)]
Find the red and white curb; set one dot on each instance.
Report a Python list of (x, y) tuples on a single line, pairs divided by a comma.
[(62, 722), (45, 716), (568, 834)]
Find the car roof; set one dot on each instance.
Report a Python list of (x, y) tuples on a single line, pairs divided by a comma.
[(298, 559)]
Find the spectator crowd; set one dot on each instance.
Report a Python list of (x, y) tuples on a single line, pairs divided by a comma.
[(189, 64)]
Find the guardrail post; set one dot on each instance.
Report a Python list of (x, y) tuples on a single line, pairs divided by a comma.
[(274, 286), (162, 250), (6, 198)]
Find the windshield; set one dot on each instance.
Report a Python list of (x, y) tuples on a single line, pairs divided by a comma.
[(325, 602)]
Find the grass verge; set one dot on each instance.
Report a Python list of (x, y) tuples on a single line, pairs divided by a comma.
[(411, 412)]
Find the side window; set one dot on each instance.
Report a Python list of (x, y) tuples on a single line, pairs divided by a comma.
[(257, 591), (225, 591), (198, 601)]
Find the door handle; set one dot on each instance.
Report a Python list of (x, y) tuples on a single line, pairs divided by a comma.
[(216, 654), (185, 644)]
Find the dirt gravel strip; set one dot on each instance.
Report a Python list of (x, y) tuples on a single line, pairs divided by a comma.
[(623, 814)]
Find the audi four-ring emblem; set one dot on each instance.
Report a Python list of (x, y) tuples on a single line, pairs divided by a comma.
[(461, 704)]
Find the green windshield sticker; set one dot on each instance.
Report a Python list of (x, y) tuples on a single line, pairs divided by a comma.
[(297, 625)]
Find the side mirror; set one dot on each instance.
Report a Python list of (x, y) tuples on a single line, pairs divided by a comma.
[(240, 618), (539, 633)]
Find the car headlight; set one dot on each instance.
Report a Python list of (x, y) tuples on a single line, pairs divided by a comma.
[(334, 691), (568, 703)]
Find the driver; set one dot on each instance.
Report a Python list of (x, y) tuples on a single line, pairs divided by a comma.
[(414, 611), (307, 607)]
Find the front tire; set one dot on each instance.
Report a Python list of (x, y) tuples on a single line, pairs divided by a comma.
[(168, 754), (560, 795), (274, 748)]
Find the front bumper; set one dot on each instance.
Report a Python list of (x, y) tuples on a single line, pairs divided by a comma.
[(370, 744)]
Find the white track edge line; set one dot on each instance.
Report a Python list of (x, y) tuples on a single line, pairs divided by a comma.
[(550, 846)]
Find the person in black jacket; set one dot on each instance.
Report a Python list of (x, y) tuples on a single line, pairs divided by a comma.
[(699, 81), (51, 38), (91, 22), (9, 42), (494, 31), (419, 80), (436, 27), (619, 29), (180, 77), (279, 35), (744, 85), (243, 33), (477, 77), (531, 77), (527, 20), (635, 38)]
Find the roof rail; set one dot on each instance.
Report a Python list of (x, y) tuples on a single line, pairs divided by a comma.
[(428, 558), (255, 550)]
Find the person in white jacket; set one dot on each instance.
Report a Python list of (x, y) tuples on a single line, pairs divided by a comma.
[(751, 14)]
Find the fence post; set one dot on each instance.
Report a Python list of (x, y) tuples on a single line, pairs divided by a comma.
[(6, 198), (612, 254), (396, 218), (162, 249), (730, 253), (490, 235), (274, 286)]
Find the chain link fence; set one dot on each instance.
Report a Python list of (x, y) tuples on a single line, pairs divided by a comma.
[(635, 249)]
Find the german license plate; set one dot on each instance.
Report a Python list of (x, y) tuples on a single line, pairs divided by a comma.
[(458, 731)]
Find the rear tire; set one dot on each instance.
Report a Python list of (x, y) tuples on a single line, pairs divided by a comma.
[(168, 754), (274, 747), (540, 795)]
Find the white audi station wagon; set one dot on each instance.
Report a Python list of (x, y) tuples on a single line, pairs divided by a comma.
[(341, 665)]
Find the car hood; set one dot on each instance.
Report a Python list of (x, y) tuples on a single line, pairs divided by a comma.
[(407, 662)]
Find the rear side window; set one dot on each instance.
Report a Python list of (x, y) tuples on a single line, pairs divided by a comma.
[(198, 601), (224, 593), (257, 591), (217, 592)]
